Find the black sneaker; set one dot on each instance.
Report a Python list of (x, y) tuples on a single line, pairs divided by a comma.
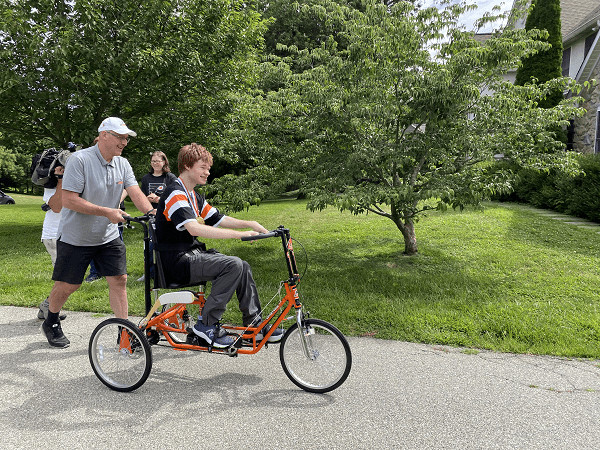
[(43, 311), (275, 337), (55, 336)]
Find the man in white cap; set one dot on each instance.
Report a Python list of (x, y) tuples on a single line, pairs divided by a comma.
[(93, 182)]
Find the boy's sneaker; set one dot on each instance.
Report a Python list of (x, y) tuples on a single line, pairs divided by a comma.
[(275, 337), (210, 334), (55, 336), (43, 311)]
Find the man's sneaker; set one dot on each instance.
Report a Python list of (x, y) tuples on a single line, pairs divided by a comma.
[(55, 336), (142, 278), (275, 337), (210, 334), (91, 278), (43, 311)]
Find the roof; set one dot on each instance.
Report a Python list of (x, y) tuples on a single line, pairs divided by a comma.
[(578, 17)]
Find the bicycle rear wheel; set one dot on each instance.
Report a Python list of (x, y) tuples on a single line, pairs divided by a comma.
[(120, 355), (329, 359)]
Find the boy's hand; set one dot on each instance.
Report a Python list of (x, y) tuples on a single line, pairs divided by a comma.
[(248, 233)]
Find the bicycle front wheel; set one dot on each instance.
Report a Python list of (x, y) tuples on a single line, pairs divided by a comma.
[(325, 362), (120, 355)]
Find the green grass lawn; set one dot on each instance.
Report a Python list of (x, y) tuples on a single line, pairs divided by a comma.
[(505, 278)]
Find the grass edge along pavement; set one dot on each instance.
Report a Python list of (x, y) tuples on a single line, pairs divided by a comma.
[(506, 278)]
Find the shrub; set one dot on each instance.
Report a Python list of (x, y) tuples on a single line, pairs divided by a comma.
[(578, 195)]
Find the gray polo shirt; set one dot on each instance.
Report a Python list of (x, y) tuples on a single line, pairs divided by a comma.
[(100, 183)]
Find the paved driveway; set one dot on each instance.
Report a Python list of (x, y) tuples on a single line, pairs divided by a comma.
[(398, 395)]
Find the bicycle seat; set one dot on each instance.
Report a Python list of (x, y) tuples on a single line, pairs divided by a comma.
[(160, 281)]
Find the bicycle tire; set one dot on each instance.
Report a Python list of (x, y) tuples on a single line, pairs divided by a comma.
[(330, 357), (120, 354)]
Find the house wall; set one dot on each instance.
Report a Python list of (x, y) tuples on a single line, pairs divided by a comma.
[(585, 127)]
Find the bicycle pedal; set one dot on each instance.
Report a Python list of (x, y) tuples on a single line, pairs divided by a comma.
[(238, 343), (192, 339)]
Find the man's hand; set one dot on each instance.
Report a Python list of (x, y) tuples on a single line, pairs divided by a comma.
[(59, 170), (115, 215), (153, 198)]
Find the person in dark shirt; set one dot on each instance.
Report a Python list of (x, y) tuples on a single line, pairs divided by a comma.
[(153, 185), (181, 216), (157, 179)]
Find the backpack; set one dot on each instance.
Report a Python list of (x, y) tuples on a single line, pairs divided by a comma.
[(43, 165)]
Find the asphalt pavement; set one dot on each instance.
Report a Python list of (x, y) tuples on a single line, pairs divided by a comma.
[(398, 395)]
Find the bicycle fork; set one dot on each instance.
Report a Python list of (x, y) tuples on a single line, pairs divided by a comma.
[(305, 331)]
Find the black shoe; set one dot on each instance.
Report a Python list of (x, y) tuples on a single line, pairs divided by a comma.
[(55, 336), (275, 337)]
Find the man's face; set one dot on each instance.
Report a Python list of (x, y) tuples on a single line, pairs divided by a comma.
[(200, 172), (113, 143)]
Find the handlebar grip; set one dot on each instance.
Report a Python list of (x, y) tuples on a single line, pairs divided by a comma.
[(259, 236), (138, 219)]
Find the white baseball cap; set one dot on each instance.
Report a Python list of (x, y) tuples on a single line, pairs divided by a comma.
[(117, 125)]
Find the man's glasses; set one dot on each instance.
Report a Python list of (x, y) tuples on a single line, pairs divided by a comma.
[(121, 138)]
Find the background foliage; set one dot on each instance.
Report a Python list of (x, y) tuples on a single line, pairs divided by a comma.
[(168, 68), (576, 193), (370, 106), (544, 65), (398, 112)]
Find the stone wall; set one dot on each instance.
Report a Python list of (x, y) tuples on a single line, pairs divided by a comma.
[(585, 127)]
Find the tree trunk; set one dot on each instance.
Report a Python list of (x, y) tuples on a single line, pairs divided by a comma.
[(410, 238)]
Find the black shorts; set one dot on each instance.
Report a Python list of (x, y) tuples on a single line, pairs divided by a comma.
[(72, 260)]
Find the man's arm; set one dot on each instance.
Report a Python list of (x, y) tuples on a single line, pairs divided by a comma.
[(73, 201), (55, 202), (139, 199)]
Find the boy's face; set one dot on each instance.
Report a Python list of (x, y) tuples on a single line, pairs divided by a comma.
[(200, 172)]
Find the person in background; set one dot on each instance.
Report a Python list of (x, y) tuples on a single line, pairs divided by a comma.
[(153, 185), (92, 189), (52, 206), (157, 179)]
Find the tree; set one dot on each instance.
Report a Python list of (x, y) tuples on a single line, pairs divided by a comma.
[(546, 64), (166, 67), (10, 171), (395, 123)]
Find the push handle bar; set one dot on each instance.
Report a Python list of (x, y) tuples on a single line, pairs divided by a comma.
[(138, 219)]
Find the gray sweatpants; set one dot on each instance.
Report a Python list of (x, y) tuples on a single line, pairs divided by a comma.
[(227, 274)]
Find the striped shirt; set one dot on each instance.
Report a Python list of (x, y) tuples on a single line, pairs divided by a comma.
[(179, 206)]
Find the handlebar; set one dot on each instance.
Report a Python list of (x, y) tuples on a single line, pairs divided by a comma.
[(278, 232), (260, 236), (138, 219)]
